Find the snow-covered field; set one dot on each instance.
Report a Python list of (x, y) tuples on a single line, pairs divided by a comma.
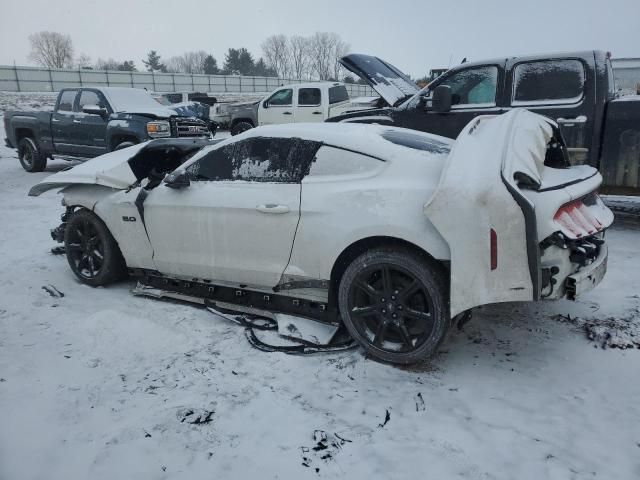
[(99, 384)]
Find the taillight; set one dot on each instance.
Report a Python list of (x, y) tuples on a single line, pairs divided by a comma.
[(583, 217)]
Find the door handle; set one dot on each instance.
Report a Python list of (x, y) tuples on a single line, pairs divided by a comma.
[(317, 113), (272, 208), (55, 120), (76, 121), (571, 121), (286, 113)]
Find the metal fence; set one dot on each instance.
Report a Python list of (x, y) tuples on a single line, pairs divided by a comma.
[(34, 79)]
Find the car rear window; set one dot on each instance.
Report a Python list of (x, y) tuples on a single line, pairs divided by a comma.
[(417, 142), (338, 94)]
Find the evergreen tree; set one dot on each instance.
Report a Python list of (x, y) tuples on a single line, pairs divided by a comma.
[(211, 66), (153, 64), (127, 66)]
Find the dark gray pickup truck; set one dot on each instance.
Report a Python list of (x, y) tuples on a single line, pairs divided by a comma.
[(577, 90), (87, 122)]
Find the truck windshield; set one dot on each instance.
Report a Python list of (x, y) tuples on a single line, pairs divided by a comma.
[(130, 99), (338, 94)]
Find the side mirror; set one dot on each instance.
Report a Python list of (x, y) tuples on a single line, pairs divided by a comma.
[(177, 180), (265, 104), (94, 110), (441, 99)]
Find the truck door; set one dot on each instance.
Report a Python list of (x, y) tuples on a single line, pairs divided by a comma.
[(476, 90), (309, 105), (90, 130), (62, 122), (278, 108), (561, 89)]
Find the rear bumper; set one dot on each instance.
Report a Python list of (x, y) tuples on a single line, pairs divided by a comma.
[(588, 276)]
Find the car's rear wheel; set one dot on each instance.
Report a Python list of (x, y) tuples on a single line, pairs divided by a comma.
[(30, 156), (125, 144), (393, 302), (92, 252), (241, 127)]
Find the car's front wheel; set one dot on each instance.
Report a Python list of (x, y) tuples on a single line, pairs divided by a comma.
[(92, 252), (393, 303)]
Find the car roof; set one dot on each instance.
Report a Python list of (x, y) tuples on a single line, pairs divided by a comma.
[(312, 84), (359, 137), (525, 58)]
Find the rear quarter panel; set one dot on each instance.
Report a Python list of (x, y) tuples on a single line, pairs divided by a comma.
[(388, 201)]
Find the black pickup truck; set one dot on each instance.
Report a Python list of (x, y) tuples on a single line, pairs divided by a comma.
[(87, 122), (577, 90)]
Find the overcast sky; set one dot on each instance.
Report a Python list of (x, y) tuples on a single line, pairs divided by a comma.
[(413, 35)]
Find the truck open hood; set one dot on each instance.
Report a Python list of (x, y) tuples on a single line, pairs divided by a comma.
[(390, 83)]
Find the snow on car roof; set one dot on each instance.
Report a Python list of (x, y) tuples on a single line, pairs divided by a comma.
[(375, 140)]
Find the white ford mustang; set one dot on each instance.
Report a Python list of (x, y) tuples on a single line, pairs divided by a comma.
[(389, 231)]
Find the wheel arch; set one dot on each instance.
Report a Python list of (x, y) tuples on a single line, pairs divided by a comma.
[(235, 121), (360, 246)]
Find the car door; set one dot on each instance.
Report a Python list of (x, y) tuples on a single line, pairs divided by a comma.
[(90, 130), (309, 105), (474, 91), (559, 89), (236, 221), (62, 125), (278, 108)]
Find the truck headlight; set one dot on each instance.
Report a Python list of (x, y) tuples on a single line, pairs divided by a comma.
[(158, 129)]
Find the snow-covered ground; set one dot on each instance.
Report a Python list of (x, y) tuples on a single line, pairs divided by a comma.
[(99, 384)]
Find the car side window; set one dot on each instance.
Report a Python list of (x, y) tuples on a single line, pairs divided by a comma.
[(336, 161), (66, 101), (279, 160), (309, 97), (89, 97), (281, 98), (473, 86), (548, 82)]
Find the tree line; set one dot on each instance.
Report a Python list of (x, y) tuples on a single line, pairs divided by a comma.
[(314, 57)]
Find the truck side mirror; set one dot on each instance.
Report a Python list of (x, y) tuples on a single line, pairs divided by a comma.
[(265, 104), (94, 110), (441, 99)]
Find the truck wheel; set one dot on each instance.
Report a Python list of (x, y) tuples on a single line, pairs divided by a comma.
[(126, 144), (393, 303), (30, 156), (241, 127), (92, 252)]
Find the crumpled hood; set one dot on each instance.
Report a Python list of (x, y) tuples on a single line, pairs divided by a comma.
[(110, 170)]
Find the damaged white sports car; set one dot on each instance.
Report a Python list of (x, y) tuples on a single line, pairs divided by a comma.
[(391, 232)]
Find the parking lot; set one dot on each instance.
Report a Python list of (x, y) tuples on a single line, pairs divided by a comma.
[(96, 383)]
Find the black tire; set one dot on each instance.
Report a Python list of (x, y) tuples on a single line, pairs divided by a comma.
[(241, 127), (92, 252), (31, 157), (394, 304), (126, 144)]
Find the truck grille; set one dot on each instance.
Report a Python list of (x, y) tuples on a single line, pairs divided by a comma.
[(189, 127)]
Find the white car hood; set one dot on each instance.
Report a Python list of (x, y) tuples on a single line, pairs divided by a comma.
[(109, 170)]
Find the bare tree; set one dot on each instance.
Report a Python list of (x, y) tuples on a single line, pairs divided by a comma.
[(275, 51), (51, 49), (299, 56), (188, 62), (84, 62)]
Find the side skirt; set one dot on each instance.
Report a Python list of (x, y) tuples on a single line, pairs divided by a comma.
[(204, 292)]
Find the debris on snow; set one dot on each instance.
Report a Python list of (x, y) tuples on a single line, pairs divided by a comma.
[(387, 417), (195, 416), (326, 447), (420, 406), (53, 291), (610, 332)]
